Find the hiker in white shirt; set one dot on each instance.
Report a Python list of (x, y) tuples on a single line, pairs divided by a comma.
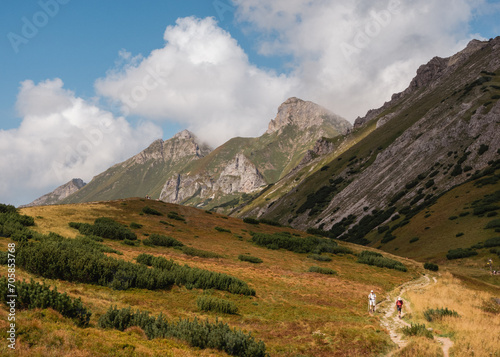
[(372, 300)]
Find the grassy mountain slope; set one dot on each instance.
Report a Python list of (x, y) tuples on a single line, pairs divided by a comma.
[(144, 174), (294, 311)]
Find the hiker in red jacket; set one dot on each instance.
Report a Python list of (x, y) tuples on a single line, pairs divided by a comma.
[(399, 306)]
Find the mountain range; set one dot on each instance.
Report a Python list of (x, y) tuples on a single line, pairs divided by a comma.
[(312, 170)]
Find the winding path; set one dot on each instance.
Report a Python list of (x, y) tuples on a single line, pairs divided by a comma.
[(394, 324)]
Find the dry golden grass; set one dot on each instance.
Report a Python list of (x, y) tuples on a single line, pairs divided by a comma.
[(475, 332), (291, 305)]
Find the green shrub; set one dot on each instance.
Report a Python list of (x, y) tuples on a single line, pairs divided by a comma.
[(199, 253), (327, 271), (493, 224), (270, 222), (431, 266), (459, 234), (320, 258), (222, 230), (460, 253), (151, 211), (249, 258), (34, 295), (414, 239), (196, 277), (452, 218), (310, 244), (250, 220), (197, 334), (176, 216), (105, 228), (135, 225), (492, 242), (162, 241), (131, 242), (437, 314), (376, 259), (207, 303), (417, 330)]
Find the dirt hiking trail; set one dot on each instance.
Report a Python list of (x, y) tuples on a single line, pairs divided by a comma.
[(394, 324)]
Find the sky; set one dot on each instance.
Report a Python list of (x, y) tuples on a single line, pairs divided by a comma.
[(87, 84)]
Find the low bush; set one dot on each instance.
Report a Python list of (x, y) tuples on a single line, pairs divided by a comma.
[(196, 277), (414, 239), (34, 295), (492, 242), (250, 220), (105, 228), (162, 241), (222, 230), (135, 225), (249, 258), (310, 244), (431, 266), (437, 314), (493, 224), (417, 330), (270, 222), (321, 270), (320, 258), (176, 216), (460, 253), (199, 334), (151, 211), (376, 259), (207, 303)]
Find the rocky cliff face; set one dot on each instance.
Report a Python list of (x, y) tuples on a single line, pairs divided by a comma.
[(245, 165), (239, 176), (58, 194)]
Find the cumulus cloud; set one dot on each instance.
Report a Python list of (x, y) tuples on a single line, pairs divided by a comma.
[(350, 56), (62, 137), (201, 78)]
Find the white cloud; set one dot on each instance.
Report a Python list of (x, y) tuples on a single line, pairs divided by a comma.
[(201, 78), (62, 137), (350, 56)]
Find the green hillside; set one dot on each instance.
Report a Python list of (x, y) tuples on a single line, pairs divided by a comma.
[(290, 305)]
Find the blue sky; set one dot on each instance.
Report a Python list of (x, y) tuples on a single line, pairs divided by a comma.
[(219, 68)]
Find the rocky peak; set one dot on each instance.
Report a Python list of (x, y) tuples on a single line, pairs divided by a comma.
[(58, 194), (305, 114), (180, 145)]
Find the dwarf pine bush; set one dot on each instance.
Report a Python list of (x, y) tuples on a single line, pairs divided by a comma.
[(249, 258), (208, 303), (320, 258), (106, 228), (163, 241), (376, 259), (35, 295), (196, 333), (196, 277), (309, 244), (328, 271), (417, 330), (151, 211), (437, 314), (431, 266)]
